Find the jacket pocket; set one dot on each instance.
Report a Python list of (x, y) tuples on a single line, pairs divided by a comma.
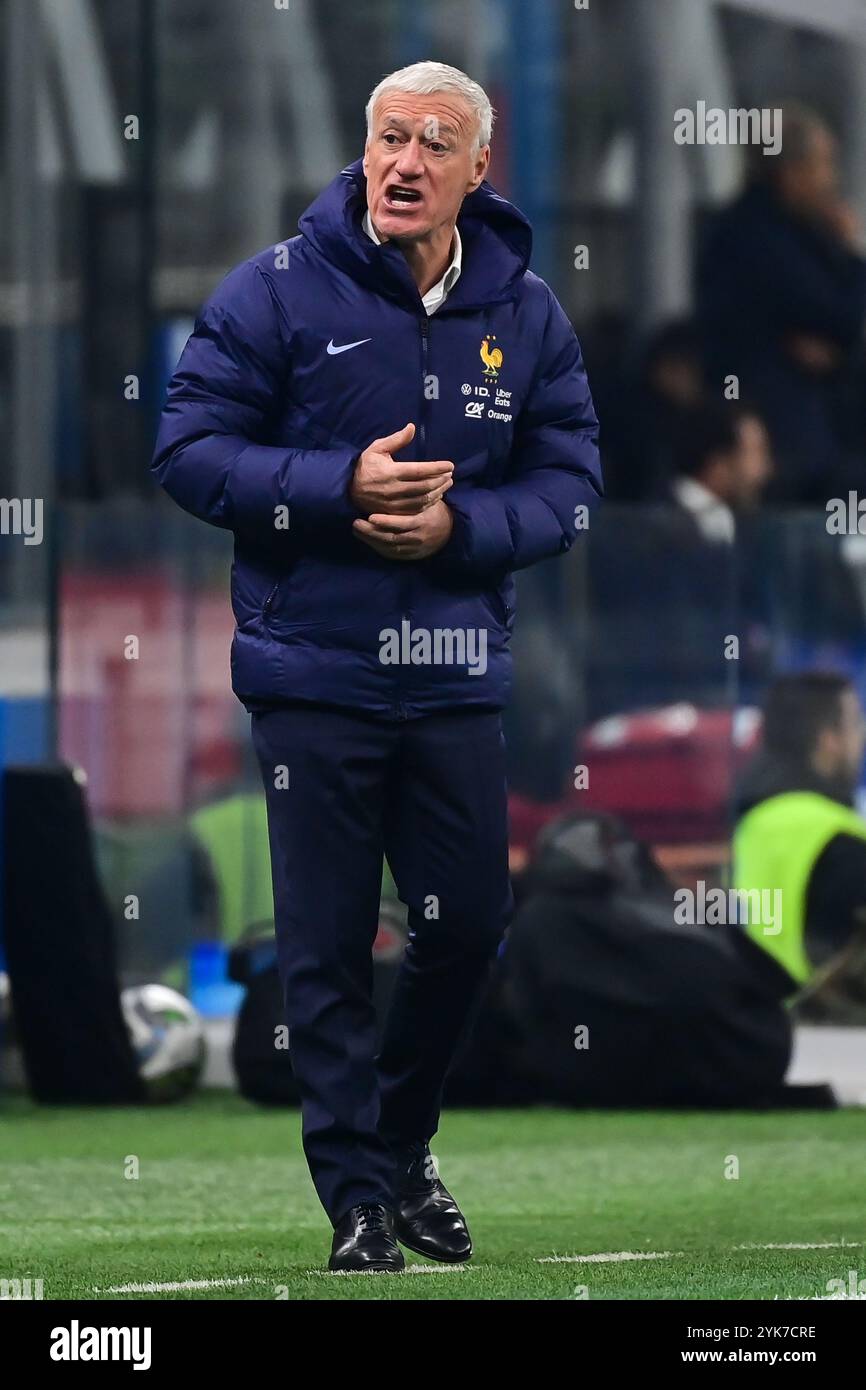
[(281, 607), (271, 599), (502, 608)]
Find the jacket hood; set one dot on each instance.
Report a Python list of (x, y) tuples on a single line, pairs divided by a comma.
[(497, 241)]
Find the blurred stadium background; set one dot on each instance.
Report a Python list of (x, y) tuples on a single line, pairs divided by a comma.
[(149, 146)]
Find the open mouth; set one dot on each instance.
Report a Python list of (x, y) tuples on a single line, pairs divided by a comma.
[(399, 196)]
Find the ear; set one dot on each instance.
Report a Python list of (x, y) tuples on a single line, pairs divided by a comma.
[(479, 173), (826, 747), (366, 152)]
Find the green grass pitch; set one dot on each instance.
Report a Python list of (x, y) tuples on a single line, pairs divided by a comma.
[(223, 1194)]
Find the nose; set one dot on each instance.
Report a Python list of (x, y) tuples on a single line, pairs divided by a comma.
[(410, 164)]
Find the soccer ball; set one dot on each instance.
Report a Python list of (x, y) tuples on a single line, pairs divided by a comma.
[(5, 1002), (12, 1074), (167, 1038)]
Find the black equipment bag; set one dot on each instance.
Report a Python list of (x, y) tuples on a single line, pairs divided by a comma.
[(263, 1069), (60, 946), (674, 1015)]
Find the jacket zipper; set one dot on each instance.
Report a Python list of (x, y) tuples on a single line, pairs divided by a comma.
[(268, 603), (425, 349), (406, 578)]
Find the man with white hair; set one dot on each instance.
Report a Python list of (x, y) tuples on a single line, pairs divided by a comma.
[(390, 413)]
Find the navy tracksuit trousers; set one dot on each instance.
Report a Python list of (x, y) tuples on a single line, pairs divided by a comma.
[(342, 789)]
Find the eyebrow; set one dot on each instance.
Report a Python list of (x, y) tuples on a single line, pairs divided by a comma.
[(442, 126)]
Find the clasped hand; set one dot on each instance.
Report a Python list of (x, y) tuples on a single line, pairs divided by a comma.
[(406, 516)]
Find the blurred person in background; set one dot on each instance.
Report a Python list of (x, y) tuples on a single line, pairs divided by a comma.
[(722, 465), (781, 288), (798, 833), (640, 439), (406, 296), (691, 549)]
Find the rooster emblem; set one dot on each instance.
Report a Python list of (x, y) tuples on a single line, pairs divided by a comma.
[(492, 359)]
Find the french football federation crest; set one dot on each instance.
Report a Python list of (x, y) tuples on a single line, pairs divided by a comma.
[(491, 357)]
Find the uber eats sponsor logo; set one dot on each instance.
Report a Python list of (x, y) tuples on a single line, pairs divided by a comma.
[(77, 1343), (705, 906), (438, 646)]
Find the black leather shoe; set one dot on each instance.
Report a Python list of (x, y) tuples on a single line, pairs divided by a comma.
[(364, 1240), (428, 1219)]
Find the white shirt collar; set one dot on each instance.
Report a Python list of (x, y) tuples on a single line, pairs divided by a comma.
[(713, 517), (438, 293)]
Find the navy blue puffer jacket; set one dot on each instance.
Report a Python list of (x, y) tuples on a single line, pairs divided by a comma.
[(264, 423)]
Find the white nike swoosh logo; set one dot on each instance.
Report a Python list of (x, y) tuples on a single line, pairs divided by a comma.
[(332, 351)]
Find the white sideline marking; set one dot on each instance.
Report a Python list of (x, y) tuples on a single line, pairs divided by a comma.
[(805, 1245), (609, 1257), (176, 1285), (619, 1256), (817, 1297), (410, 1269), (603, 1257)]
